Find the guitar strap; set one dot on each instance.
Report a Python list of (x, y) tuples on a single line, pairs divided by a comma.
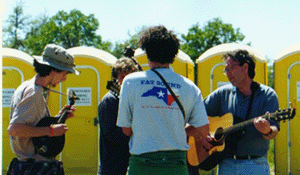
[(254, 86), (171, 91), (45, 95), (231, 140)]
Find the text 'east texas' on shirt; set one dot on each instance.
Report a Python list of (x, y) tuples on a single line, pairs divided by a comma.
[(154, 116)]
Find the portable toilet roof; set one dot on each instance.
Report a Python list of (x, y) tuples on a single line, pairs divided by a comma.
[(292, 50), (16, 54), (227, 47), (181, 56), (13, 59), (183, 64), (94, 53)]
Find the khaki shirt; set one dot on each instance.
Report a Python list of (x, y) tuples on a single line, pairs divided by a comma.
[(28, 106)]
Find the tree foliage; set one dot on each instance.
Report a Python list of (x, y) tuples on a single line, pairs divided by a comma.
[(270, 73), (198, 39), (17, 24), (76, 29), (65, 29), (38, 36), (132, 42)]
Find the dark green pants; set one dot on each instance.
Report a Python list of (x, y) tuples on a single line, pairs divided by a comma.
[(158, 163)]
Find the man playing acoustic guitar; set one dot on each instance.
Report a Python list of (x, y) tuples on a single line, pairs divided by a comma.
[(246, 152), (29, 106)]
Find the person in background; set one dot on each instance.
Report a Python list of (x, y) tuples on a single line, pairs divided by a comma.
[(114, 149), (150, 116), (129, 53), (245, 99), (29, 106)]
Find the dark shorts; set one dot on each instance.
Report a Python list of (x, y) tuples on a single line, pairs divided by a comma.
[(31, 166)]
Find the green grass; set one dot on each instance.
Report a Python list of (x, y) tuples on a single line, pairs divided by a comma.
[(271, 154)]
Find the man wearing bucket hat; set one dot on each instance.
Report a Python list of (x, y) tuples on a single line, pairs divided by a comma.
[(29, 106)]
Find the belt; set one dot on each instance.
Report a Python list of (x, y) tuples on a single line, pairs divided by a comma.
[(248, 157)]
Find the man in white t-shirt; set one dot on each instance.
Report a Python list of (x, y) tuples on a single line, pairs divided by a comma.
[(150, 115)]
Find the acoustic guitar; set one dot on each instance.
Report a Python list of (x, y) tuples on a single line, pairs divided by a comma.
[(220, 128), (52, 146)]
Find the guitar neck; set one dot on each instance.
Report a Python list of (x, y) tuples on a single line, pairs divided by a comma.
[(237, 127), (114, 87), (63, 116), (242, 125)]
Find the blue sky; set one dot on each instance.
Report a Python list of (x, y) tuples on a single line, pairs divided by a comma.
[(271, 26)]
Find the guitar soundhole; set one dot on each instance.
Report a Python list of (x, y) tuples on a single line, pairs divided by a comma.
[(219, 134)]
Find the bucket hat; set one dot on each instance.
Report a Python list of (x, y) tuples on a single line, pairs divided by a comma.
[(57, 57)]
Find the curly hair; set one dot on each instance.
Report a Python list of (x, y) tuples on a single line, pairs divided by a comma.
[(124, 65), (242, 56), (160, 44)]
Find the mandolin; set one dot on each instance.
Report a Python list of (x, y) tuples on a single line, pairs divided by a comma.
[(52, 146), (220, 128), (114, 86)]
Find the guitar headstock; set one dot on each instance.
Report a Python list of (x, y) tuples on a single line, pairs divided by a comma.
[(285, 114), (72, 97), (114, 86)]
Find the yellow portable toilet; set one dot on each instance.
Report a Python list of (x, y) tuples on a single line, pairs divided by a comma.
[(80, 154), (182, 65), (17, 67), (210, 66), (287, 87)]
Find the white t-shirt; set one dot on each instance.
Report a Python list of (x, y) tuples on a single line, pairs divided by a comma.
[(154, 116)]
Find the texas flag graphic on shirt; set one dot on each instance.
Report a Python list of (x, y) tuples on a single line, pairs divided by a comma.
[(160, 93)]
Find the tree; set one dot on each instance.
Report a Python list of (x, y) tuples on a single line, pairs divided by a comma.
[(120, 46), (35, 40), (198, 40), (270, 73), (65, 29), (132, 42), (17, 24)]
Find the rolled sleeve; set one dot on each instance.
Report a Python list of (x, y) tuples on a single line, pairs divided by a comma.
[(198, 114), (272, 105), (27, 111)]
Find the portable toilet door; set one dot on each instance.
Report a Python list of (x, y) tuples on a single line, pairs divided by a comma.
[(80, 154), (182, 65), (210, 66), (287, 86), (17, 67)]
